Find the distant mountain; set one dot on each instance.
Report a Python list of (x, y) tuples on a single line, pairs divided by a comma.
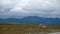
[(31, 20)]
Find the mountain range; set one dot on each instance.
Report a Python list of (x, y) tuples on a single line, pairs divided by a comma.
[(31, 20)]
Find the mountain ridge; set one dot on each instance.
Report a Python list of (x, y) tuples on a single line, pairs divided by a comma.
[(31, 20)]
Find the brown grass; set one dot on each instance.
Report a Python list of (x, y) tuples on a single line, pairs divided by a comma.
[(21, 29)]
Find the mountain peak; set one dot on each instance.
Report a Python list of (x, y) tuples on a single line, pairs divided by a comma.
[(32, 20)]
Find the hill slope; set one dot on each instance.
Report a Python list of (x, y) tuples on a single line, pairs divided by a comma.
[(31, 20)]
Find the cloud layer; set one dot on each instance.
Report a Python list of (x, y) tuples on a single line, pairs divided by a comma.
[(23, 8)]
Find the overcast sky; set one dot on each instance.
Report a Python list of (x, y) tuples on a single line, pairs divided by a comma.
[(23, 8)]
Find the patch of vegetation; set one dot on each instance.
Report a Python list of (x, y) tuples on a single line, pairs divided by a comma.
[(14, 28)]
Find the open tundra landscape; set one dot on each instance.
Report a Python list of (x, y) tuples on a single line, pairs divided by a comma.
[(29, 16), (28, 29)]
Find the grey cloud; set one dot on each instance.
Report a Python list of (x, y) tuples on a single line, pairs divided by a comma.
[(23, 8)]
